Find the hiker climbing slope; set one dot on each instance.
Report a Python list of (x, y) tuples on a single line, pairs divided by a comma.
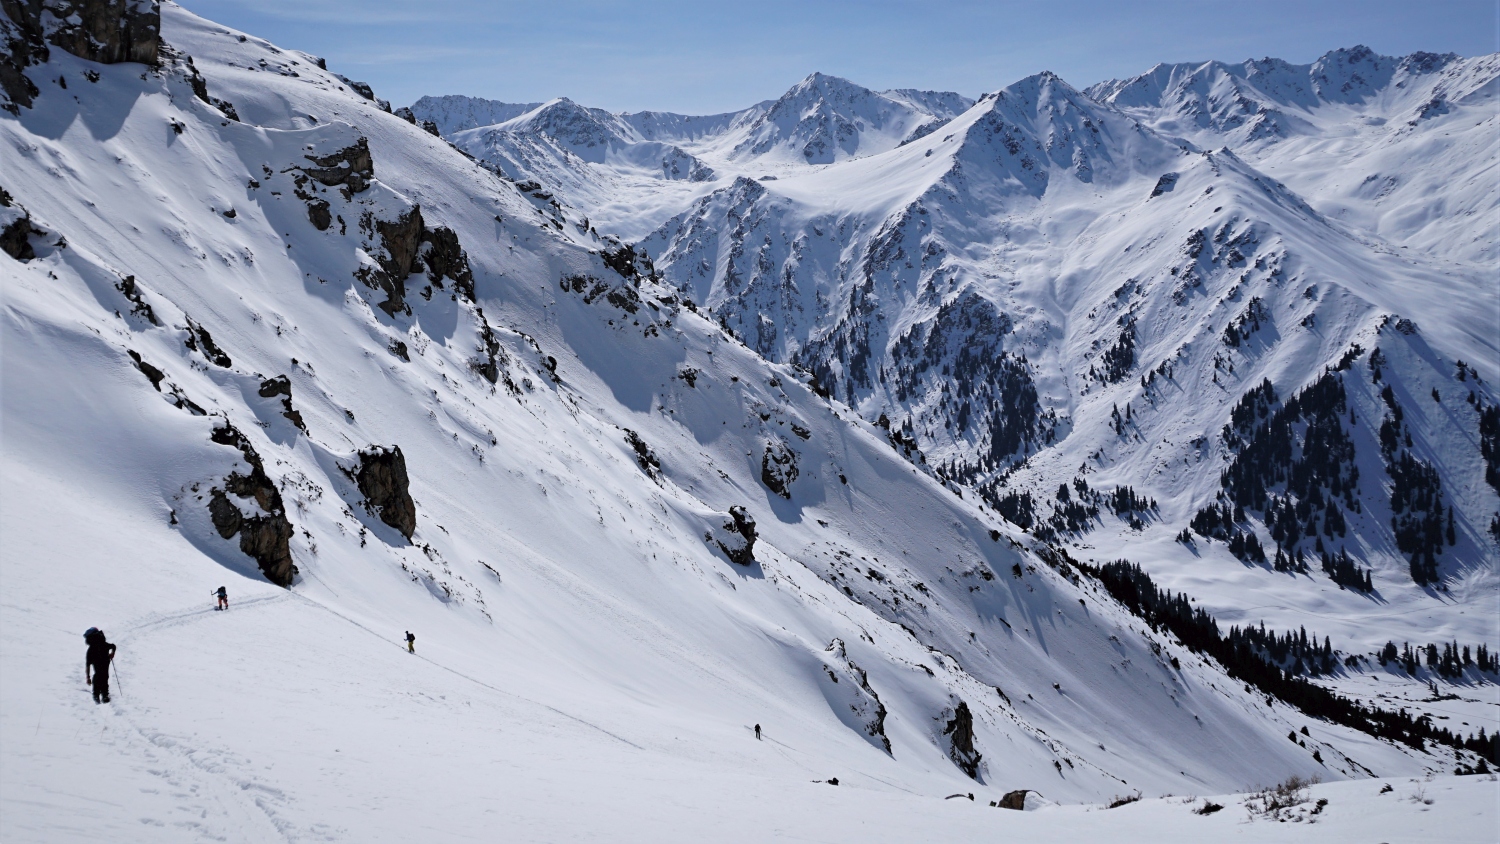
[(223, 595), (100, 654), (411, 642)]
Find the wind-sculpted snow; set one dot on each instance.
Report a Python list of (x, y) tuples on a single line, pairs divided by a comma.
[(620, 536)]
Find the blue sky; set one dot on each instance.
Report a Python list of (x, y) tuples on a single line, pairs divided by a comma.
[(702, 57)]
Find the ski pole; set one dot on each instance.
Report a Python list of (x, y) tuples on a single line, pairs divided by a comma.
[(118, 678)]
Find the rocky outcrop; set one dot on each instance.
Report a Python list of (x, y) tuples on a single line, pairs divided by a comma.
[(445, 258), (16, 230), (350, 168), (959, 731), (1015, 799), (21, 46), (399, 240), (199, 340), (778, 467), (104, 31), (853, 692), (250, 506), (736, 536), (282, 386), (644, 456), (382, 480)]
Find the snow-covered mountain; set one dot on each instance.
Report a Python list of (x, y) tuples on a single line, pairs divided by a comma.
[(626, 173), (1012, 292), (1403, 147), (259, 331), (1024, 293)]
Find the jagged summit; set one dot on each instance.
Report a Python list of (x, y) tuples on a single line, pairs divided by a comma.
[(825, 118)]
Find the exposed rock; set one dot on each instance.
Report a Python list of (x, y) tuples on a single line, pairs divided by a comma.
[(492, 356), (15, 233), (960, 733), (139, 306), (1165, 184), (199, 339), (620, 294), (1015, 799), (350, 167), (400, 240), (643, 454), (864, 705), (445, 258), (152, 374), (736, 538), (382, 480), (282, 386), (21, 46), (778, 467), (265, 534), (319, 215), (104, 31)]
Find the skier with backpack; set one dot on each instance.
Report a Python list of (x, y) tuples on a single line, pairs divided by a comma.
[(223, 595), (411, 643), (100, 654)]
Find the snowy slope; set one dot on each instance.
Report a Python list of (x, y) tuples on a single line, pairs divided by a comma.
[(624, 174), (1402, 147), (1083, 253), (583, 635), (455, 113)]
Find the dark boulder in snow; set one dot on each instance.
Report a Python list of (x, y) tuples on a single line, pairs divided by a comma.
[(15, 233), (382, 480), (778, 467), (959, 730), (736, 537), (282, 386), (1015, 799), (250, 505)]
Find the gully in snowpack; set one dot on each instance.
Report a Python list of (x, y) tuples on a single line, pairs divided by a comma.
[(100, 654)]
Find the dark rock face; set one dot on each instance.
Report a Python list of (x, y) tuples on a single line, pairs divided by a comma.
[(960, 733), (21, 46), (382, 481), (446, 258), (265, 536), (740, 530), (351, 167), (778, 468), (1015, 800), (400, 240), (644, 456), (282, 386), (104, 31), (319, 215), (15, 238), (200, 340)]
